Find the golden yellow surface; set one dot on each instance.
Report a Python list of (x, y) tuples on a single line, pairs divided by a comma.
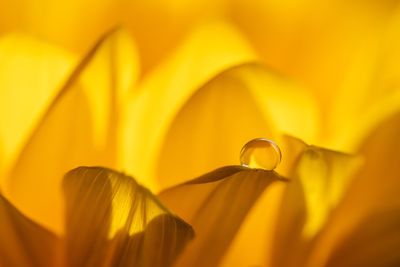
[(167, 91)]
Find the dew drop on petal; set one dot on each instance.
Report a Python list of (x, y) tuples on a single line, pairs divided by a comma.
[(260, 153)]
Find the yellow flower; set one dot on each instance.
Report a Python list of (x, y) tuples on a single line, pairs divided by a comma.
[(174, 94)]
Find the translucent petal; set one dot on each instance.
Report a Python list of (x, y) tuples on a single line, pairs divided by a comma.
[(78, 128), (216, 204), (281, 99), (254, 243), (113, 221), (22, 242), (206, 52), (31, 72), (236, 106), (373, 190), (319, 179)]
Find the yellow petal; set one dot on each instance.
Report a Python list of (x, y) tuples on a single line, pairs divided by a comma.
[(319, 181), (167, 22), (113, 221), (370, 91), (374, 242), (254, 243), (236, 106), (380, 151), (314, 41), (373, 190), (359, 127), (206, 52), (22, 242), (158, 26), (31, 72), (78, 128), (216, 204), (210, 130), (75, 25), (344, 52)]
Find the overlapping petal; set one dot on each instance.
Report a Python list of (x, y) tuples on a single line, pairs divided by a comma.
[(31, 71), (23, 242), (370, 91), (343, 51), (76, 25), (315, 41), (163, 92), (236, 106), (193, 112), (216, 204), (113, 221), (372, 192), (78, 128), (297, 211), (319, 180)]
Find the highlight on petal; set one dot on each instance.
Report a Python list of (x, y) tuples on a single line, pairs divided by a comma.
[(207, 51), (168, 22), (319, 180), (370, 93), (370, 88), (210, 130), (78, 128), (22, 242), (216, 204), (253, 243), (361, 125), (219, 118), (31, 71), (320, 43), (374, 189), (113, 221), (77, 24), (73, 24)]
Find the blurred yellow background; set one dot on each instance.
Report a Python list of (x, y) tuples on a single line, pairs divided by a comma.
[(166, 91)]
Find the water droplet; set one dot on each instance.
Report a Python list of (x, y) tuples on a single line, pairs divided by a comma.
[(260, 153)]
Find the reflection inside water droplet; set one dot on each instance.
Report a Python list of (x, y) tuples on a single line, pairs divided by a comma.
[(260, 153)]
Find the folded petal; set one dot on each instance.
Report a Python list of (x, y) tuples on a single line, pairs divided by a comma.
[(113, 221), (254, 243), (234, 107), (78, 128), (319, 179), (373, 190), (210, 130), (206, 52), (31, 72), (24, 243), (216, 204)]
